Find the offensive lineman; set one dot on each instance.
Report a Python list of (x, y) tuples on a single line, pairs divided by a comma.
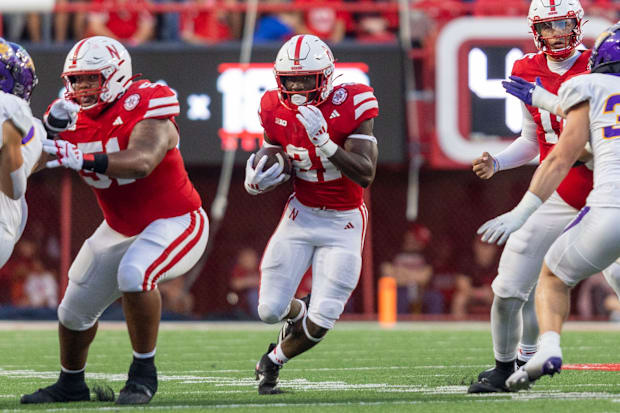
[(557, 33), (20, 142), (592, 241), (327, 131), (123, 143)]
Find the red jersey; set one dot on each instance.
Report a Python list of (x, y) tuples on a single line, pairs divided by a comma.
[(318, 182), (129, 205), (575, 188)]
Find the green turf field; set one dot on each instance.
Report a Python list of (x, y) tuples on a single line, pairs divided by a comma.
[(358, 368)]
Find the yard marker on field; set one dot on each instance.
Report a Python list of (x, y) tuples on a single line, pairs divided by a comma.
[(593, 366), (387, 301)]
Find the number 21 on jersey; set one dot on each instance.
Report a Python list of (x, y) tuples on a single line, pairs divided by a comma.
[(318, 171)]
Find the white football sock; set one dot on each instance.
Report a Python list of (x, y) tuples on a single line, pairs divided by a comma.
[(549, 339), (506, 327), (277, 356)]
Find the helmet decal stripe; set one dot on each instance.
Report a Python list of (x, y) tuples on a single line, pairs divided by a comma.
[(300, 40), (552, 4), (77, 50)]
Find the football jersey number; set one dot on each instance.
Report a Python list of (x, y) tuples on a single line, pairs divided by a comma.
[(98, 180), (308, 170), (613, 131), (545, 119)]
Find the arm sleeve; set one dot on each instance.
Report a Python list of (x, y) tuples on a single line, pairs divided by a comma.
[(19, 178), (523, 149)]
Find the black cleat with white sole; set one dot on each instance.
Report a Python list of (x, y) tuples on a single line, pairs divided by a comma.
[(268, 373)]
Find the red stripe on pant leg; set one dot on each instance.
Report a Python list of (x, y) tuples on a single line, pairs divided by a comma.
[(183, 252), (168, 250), (364, 213)]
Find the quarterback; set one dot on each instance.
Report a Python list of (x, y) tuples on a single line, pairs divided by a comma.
[(592, 241), (123, 141), (327, 132), (556, 27), (20, 142)]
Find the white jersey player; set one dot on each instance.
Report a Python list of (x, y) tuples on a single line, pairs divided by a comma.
[(591, 106), (20, 143)]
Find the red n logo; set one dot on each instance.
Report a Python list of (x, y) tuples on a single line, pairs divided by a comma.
[(113, 51), (552, 4), (293, 214)]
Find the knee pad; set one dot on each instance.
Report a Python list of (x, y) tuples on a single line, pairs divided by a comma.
[(74, 321), (326, 312), (130, 278), (271, 315)]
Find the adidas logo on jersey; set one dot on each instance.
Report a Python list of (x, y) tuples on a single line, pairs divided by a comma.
[(349, 226), (117, 121), (334, 114)]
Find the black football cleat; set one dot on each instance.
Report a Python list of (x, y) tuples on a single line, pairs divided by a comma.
[(141, 385), (290, 326), (134, 393), (57, 393), (491, 381), (268, 372)]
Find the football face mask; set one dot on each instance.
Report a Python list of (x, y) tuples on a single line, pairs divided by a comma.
[(557, 37)]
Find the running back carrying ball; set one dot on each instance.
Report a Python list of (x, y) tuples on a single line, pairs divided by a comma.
[(274, 154)]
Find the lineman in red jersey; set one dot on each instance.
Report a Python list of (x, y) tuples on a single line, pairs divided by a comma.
[(327, 132), (557, 33), (124, 143)]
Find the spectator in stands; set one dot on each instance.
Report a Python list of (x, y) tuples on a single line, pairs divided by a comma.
[(61, 23), (15, 24), (17, 269), (328, 23), (175, 298), (473, 292), (244, 282), (596, 298), (413, 274), (40, 287), (279, 26), (127, 26), (374, 28), (212, 26)]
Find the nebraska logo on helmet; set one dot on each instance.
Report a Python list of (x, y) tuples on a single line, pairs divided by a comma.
[(104, 57)]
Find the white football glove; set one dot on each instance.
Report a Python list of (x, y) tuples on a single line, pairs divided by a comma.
[(258, 181), (61, 116), (67, 154), (316, 128), (499, 228)]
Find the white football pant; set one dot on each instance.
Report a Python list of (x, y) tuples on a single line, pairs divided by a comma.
[(329, 240)]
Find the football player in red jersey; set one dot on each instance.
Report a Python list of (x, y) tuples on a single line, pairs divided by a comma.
[(327, 131), (556, 27), (124, 144)]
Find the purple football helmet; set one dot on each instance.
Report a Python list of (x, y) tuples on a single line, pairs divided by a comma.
[(17, 73), (606, 52)]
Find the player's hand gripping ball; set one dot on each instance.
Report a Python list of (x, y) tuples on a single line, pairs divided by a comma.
[(274, 155)]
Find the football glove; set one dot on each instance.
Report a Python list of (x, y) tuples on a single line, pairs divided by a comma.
[(67, 154), (499, 228), (316, 127), (532, 94), (61, 116), (258, 181)]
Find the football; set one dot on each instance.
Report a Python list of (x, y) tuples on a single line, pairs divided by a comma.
[(273, 154)]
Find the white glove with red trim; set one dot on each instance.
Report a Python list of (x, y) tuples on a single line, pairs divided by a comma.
[(67, 154), (316, 128), (258, 181)]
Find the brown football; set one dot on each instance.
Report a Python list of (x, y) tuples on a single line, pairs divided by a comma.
[(274, 154)]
